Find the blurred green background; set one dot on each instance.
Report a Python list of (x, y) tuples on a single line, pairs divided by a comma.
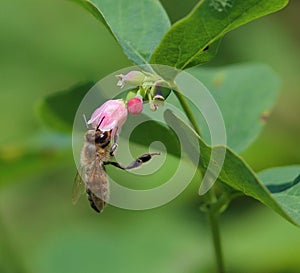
[(47, 46)]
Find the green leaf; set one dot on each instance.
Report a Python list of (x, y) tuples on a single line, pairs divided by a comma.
[(58, 110), (138, 25), (284, 184), (245, 95), (90, 7), (238, 175), (191, 41)]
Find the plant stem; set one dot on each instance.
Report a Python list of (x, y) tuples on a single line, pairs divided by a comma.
[(213, 209), (213, 217), (184, 104)]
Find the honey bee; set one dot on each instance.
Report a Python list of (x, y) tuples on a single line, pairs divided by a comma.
[(97, 152)]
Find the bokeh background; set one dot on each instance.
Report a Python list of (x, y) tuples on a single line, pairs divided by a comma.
[(47, 46)]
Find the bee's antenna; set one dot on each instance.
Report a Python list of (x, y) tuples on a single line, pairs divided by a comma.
[(85, 121), (100, 123)]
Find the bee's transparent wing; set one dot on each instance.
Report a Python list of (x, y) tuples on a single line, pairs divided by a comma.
[(78, 187)]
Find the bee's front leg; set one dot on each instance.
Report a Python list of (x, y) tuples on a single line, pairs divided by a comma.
[(114, 146), (135, 164)]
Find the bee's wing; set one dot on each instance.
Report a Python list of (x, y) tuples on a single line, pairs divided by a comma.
[(78, 187)]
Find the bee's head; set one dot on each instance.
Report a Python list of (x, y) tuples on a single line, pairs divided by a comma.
[(98, 137)]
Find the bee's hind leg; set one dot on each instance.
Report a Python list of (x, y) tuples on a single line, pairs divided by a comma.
[(135, 164)]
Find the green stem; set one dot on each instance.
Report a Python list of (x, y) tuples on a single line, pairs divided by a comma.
[(213, 208), (184, 104), (213, 217)]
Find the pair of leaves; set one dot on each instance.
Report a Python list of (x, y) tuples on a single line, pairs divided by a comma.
[(143, 29)]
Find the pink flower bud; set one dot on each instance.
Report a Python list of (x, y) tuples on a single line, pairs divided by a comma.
[(110, 116), (135, 78), (135, 105)]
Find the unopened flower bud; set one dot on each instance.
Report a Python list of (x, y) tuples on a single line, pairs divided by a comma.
[(135, 105), (135, 78)]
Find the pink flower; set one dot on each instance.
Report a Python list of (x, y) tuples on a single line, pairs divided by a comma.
[(135, 105), (135, 78), (110, 116)]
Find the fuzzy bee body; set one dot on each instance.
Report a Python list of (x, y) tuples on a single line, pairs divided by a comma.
[(95, 152), (92, 178)]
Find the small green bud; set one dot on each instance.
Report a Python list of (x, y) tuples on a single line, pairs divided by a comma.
[(135, 78)]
